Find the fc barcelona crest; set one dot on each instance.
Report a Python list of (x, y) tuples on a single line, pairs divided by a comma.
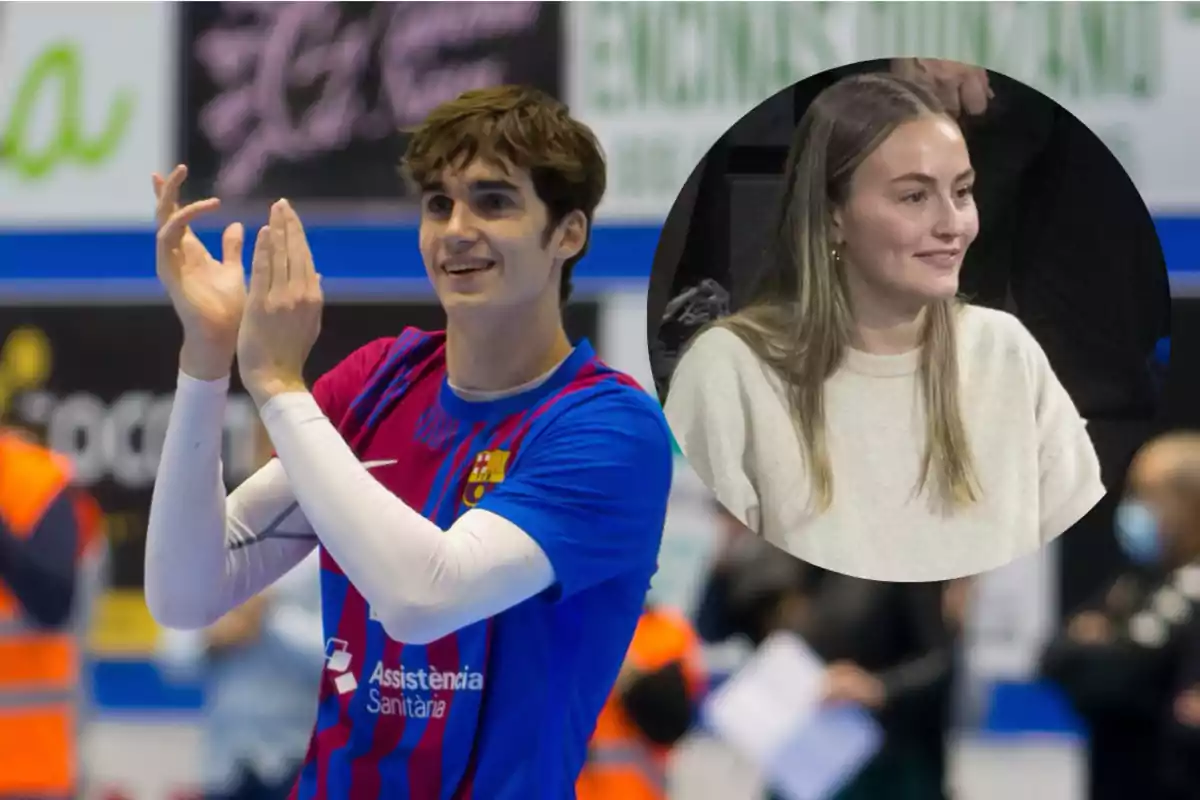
[(487, 471)]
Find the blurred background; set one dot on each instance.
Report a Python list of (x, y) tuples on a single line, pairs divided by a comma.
[(269, 100)]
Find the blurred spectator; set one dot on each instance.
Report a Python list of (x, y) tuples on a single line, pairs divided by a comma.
[(890, 647), (651, 708), (51, 548), (261, 665), (1129, 662)]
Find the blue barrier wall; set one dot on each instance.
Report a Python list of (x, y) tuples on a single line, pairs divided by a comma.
[(118, 261)]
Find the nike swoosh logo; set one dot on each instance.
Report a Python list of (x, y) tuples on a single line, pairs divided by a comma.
[(272, 532)]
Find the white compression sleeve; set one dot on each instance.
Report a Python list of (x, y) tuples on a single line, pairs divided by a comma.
[(204, 555), (422, 582)]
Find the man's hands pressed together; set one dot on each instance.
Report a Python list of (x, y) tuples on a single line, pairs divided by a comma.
[(272, 327), (282, 318)]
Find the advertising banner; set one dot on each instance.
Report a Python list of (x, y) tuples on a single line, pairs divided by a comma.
[(660, 82), (306, 100), (83, 118), (96, 382)]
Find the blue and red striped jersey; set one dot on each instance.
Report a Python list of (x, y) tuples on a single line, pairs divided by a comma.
[(503, 708)]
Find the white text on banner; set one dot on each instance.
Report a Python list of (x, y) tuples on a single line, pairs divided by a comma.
[(660, 82)]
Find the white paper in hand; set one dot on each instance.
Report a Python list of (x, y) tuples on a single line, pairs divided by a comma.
[(771, 712)]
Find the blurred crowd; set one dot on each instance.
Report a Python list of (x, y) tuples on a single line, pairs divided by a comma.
[(1126, 663)]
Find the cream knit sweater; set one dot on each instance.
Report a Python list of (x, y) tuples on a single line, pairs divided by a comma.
[(1032, 455)]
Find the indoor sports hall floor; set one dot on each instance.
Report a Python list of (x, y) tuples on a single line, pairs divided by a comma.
[(1032, 769)]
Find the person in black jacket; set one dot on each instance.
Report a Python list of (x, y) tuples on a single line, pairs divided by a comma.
[(1129, 662), (890, 647)]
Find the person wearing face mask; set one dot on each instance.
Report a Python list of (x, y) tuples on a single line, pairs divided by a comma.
[(857, 414), (1129, 663)]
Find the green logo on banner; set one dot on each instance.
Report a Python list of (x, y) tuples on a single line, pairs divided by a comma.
[(58, 74)]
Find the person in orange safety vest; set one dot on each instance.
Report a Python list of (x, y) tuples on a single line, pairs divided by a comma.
[(48, 532), (650, 709)]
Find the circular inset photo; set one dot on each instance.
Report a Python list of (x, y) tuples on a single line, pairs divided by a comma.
[(903, 321)]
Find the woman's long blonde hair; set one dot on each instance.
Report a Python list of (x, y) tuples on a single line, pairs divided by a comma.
[(801, 321)]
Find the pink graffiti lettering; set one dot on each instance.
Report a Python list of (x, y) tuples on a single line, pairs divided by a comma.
[(290, 75)]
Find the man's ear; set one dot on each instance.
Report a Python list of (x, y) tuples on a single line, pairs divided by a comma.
[(572, 235)]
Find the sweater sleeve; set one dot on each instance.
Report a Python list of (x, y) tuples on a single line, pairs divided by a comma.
[(709, 408), (1069, 469)]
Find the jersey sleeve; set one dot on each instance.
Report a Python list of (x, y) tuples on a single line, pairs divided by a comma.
[(336, 389), (1069, 469), (592, 489), (707, 410)]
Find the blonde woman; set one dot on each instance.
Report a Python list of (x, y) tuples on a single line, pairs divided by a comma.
[(858, 415)]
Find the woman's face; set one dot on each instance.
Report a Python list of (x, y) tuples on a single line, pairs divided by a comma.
[(910, 215)]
